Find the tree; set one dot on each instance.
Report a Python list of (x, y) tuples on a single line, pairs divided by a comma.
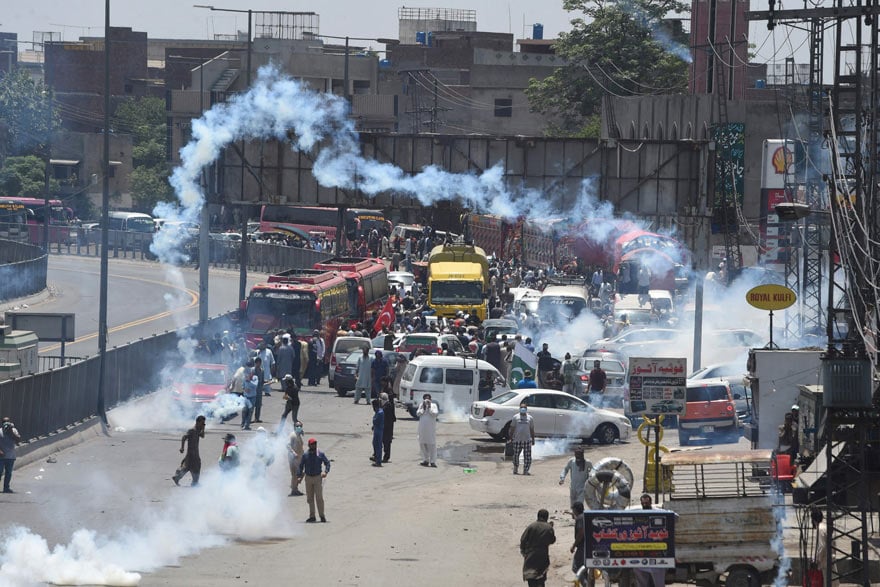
[(625, 49), (25, 177), (26, 108), (144, 119)]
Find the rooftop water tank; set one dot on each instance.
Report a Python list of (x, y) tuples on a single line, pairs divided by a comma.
[(537, 31), (421, 38)]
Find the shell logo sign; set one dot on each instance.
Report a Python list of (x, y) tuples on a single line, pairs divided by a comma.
[(782, 159), (771, 297)]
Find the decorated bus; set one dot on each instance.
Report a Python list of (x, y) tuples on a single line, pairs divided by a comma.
[(367, 281)]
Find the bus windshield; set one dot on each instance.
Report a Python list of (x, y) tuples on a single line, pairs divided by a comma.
[(456, 292), (555, 308), (291, 309)]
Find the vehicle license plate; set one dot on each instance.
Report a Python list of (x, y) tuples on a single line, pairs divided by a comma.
[(707, 429)]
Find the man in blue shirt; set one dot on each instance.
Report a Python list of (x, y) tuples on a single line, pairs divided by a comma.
[(310, 469), (378, 432), (527, 382)]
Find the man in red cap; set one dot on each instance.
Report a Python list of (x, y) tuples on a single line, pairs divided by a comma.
[(310, 469)]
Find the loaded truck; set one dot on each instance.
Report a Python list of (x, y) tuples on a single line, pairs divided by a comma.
[(458, 280)]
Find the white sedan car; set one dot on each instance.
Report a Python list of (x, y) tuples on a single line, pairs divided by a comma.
[(554, 413)]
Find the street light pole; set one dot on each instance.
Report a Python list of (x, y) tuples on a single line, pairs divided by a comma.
[(47, 216), (105, 219)]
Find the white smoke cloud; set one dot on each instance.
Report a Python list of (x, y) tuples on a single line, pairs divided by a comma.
[(191, 520)]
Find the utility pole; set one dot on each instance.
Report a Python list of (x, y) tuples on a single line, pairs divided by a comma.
[(105, 220)]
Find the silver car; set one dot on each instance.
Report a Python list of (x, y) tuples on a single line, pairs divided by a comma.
[(615, 372)]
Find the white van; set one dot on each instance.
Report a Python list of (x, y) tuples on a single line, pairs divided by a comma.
[(453, 383), (563, 303), (131, 222), (344, 345)]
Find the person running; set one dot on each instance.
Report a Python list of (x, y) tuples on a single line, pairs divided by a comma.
[(310, 470), (192, 461), (580, 469), (229, 454), (522, 435), (291, 401)]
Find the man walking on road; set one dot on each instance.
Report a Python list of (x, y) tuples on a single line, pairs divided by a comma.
[(569, 374), (522, 434), (580, 468), (534, 545), (378, 432), (364, 381), (9, 439), (427, 415), (310, 469), (192, 461)]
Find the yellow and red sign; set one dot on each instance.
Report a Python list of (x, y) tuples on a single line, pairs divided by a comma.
[(771, 297)]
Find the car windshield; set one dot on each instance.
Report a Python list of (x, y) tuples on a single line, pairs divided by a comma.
[(607, 366), (350, 344), (291, 309), (141, 224), (419, 341), (203, 376), (555, 308), (456, 292), (504, 397)]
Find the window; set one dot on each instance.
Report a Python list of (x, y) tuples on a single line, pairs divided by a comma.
[(431, 375), (563, 403), (540, 400), (408, 374), (459, 377), (504, 107)]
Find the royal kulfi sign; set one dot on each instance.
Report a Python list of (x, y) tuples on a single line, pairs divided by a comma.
[(771, 297)]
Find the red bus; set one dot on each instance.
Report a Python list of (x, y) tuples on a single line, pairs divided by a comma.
[(358, 222), (367, 281), (60, 226), (13, 220), (303, 300)]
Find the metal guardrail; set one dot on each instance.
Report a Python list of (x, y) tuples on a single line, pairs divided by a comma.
[(55, 361), (45, 403), (23, 269), (262, 257)]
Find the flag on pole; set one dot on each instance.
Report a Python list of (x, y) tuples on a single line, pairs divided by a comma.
[(386, 318), (523, 359)]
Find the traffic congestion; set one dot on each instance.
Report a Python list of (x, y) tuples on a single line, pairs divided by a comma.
[(554, 355)]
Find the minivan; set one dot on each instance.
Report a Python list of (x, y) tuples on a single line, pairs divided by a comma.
[(131, 222), (344, 345), (453, 383), (710, 412)]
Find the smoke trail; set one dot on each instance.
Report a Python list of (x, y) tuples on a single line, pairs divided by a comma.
[(778, 547), (191, 521), (658, 31)]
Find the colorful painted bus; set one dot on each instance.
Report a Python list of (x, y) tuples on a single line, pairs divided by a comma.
[(358, 222), (367, 284), (61, 229), (303, 300), (13, 220)]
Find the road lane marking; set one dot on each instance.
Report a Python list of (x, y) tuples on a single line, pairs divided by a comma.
[(194, 300)]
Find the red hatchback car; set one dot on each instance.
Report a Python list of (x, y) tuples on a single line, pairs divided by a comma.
[(199, 382)]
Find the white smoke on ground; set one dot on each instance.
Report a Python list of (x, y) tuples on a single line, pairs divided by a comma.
[(191, 520), (777, 544), (550, 447)]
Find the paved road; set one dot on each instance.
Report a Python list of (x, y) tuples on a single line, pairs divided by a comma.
[(143, 299)]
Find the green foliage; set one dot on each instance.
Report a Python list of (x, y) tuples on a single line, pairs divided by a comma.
[(617, 48), (26, 109), (25, 177), (144, 119)]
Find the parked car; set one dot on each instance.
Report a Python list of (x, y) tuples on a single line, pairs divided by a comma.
[(344, 345), (453, 382), (379, 341), (615, 373), (431, 342), (199, 383), (710, 412), (555, 414), (719, 370)]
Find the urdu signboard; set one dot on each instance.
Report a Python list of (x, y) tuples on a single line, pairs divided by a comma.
[(637, 538), (657, 385)]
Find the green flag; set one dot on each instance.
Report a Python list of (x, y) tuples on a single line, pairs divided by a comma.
[(523, 359)]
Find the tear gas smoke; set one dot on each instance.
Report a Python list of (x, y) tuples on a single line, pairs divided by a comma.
[(190, 521), (781, 579), (550, 447)]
